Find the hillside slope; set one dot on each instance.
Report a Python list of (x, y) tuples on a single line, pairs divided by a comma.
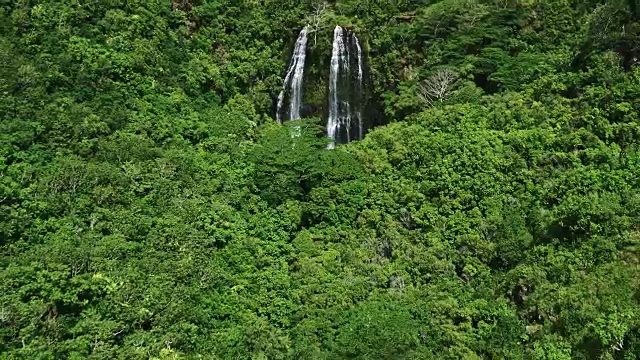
[(151, 207)]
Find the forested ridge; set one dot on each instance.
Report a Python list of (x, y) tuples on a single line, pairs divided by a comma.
[(152, 208)]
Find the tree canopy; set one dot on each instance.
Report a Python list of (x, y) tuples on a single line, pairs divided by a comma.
[(152, 208)]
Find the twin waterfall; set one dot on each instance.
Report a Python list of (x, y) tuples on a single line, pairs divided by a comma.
[(346, 95)]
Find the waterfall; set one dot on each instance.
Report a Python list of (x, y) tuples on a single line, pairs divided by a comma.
[(346, 97), (359, 86), (293, 81), (337, 54), (345, 89)]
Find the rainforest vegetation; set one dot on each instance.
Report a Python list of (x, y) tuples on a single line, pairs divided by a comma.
[(152, 208)]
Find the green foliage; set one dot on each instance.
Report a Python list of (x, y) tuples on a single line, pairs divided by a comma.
[(151, 208)]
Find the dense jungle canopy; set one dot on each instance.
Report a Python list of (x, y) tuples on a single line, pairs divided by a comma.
[(152, 208)]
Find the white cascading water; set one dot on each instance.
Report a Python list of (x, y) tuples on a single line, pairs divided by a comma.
[(343, 90), (293, 81), (337, 57), (359, 85)]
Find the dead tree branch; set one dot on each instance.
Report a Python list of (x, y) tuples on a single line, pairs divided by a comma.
[(436, 88)]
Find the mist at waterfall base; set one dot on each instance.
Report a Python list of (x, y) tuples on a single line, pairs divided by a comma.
[(349, 114)]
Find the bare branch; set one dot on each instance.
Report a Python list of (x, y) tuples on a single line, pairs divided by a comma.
[(317, 18), (436, 87)]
